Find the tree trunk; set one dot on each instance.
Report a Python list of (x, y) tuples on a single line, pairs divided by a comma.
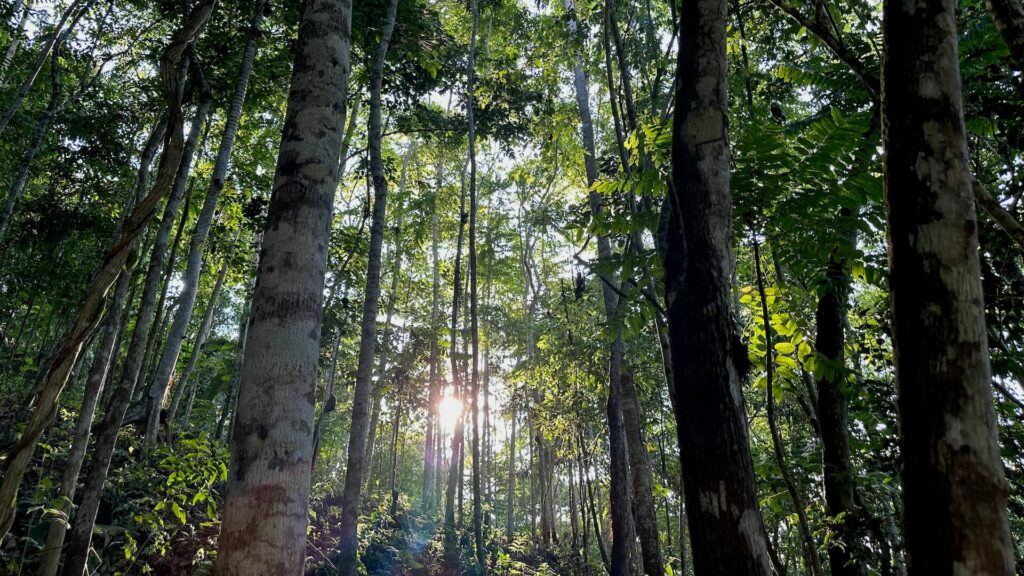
[(35, 142), (197, 347), (846, 550), (231, 395), (20, 7), (511, 500), (89, 313), (434, 395), (349, 544), (265, 513), (474, 382), (105, 355), (78, 8), (640, 467), (187, 298), (1008, 16), (954, 491), (726, 530), (799, 506)]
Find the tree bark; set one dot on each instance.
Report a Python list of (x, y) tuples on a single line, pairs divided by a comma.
[(113, 261), (98, 372), (726, 530), (265, 513), (187, 298), (954, 491), (434, 395), (351, 497), (645, 514), (1008, 16)]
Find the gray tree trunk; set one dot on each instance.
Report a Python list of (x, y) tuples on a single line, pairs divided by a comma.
[(954, 490), (265, 513), (351, 496)]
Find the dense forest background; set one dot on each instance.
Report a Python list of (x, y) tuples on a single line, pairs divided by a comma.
[(466, 344)]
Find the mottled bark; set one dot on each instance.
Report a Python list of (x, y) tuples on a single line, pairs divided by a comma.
[(113, 261), (726, 530), (351, 497), (265, 513), (954, 491)]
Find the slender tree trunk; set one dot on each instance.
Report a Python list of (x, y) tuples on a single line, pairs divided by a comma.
[(80, 541), (846, 551), (474, 383), (230, 397), (265, 513), (954, 491), (511, 500), (89, 313), (193, 271), (800, 507), (78, 8), (382, 360), (640, 468), (330, 402), (434, 395), (197, 347), (101, 363), (726, 530), (21, 12), (35, 142), (347, 560)]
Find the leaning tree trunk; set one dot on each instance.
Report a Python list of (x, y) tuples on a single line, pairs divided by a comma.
[(105, 353), (197, 347), (89, 313), (954, 491), (35, 142), (265, 513), (726, 530), (187, 298), (80, 541), (53, 43), (349, 544)]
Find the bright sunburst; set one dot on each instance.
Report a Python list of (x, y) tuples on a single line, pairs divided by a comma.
[(449, 410)]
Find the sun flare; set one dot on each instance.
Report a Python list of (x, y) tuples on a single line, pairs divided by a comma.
[(449, 410)]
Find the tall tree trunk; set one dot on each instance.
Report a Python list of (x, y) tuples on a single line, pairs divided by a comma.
[(21, 12), (640, 468), (230, 397), (451, 551), (187, 298), (726, 530), (620, 505), (35, 142), (105, 355), (434, 395), (511, 500), (197, 347), (60, 33), (846, 550), (89, 313), (80, 541), (954, 491), (799, 506), (368, 332), (474, 383), (382, 360), (265, 513)]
